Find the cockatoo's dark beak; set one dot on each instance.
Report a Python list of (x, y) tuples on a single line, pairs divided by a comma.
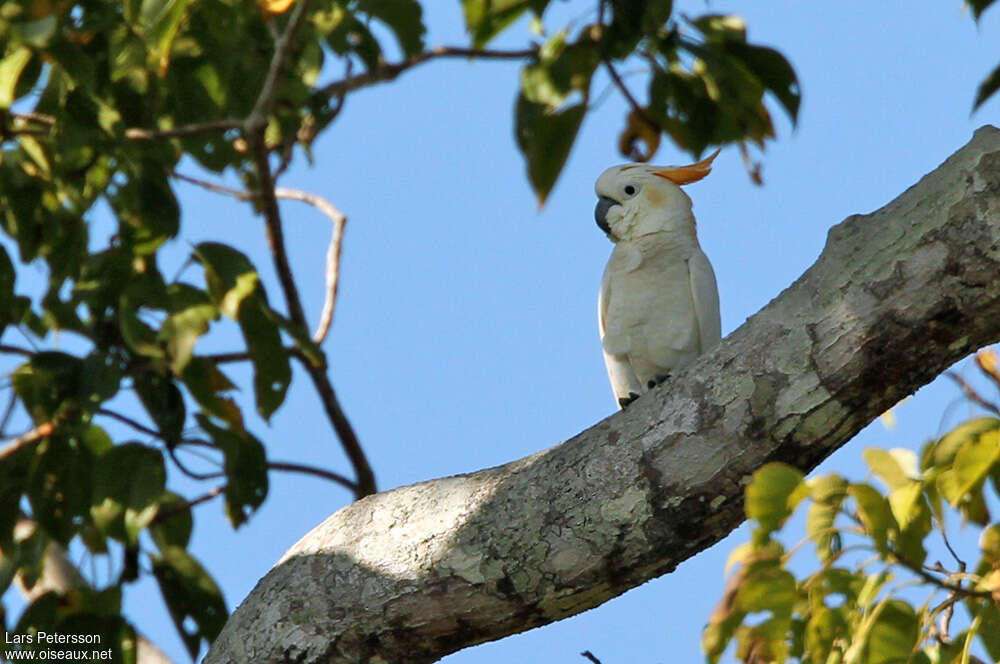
[(601, 212)]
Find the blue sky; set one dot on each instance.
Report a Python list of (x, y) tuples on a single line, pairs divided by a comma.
[(465, 334)]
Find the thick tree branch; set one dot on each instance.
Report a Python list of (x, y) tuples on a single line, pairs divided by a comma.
[(422, 571)]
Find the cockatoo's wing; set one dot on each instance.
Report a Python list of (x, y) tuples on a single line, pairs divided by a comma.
[(620, 374), (705, 293)]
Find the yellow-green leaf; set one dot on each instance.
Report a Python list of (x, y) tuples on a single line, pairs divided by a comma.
[(773, 494), (10, 70)]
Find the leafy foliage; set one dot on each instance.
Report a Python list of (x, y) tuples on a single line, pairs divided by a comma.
[(870, 544)]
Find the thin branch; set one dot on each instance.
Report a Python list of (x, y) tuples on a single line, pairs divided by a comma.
[(228, 358), (31, 116), (140, 134), (15, 350), (310, 470), (589, 655), (338, 221), (388, 72), (940, 583), (138, 426), (193, 474), (41, 431), (8, 412), (187, 506), (257, 120), (365, 483), (971, 393), (638, 108), (332, 254)]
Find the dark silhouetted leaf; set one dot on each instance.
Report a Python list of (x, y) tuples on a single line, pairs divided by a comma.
[(192, 596), (174, 522), (245, 467), (164, 403), (404, 18), (987, 88), (485, 19), (129, 481), (546, 138), (235, 288)]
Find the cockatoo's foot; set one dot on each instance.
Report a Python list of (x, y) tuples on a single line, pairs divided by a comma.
[(659, 380), (625, 401)]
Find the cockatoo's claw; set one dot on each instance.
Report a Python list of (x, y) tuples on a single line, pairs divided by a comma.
[(625, 401)]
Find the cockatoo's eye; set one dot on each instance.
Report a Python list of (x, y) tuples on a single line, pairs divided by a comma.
[(630, 190)]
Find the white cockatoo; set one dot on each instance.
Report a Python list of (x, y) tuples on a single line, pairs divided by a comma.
[(659, 305)]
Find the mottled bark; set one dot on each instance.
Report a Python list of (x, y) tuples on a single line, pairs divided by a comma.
[(413, 574)]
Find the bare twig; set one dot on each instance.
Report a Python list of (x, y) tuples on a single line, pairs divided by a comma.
[(138, 426), (589, 655), (332, 254), (185, 507), (971, 394), (15, 350), (390, 71), (227, 358), (940, 583), (31, 116), (338, 221), (41, 431), (638, 108), (365, 483), (140, 134), (8, 412), (257, 120)]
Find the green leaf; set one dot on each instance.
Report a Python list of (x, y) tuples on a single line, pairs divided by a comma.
[(191, 595), (989, 632), (48, 383), (774, 71), (59, 484), (896, 468), (345, 33), (234, 285), (36, 33), (894, 634), (158, 24), (10, 71), (545, 139), (875, 514), (824, 627), (989, 544), (403, 17), (191, 311), (164, 403), (972, 463), (146, 203), (987, 88), (942, 453), (206, 383), (245, 467), (485, 19), (828, 495), (772, 495), (905, 502), (100, 379), (979, 6), (768, 588), (175, 523), (129, 482)]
